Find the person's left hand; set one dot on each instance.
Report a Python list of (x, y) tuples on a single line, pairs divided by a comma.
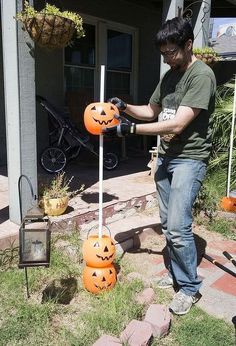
[(124, 128)]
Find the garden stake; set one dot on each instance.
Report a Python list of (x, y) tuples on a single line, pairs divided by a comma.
[(212, 260), (228, 203), (229, 257), (27, 282), (21, 219), (231, 141), (100, 215)]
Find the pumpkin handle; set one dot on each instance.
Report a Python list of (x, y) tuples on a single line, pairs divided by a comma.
[(102, 226)]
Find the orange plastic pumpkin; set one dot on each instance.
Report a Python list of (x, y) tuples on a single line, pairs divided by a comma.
[(98, 252), (100, 115), (228, 204), (97, 280)]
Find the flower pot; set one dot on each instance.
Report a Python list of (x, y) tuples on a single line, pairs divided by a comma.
[(55, 206), (50, 31)]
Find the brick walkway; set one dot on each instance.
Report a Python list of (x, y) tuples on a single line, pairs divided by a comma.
[(226, 282), (148, 256), (218, 289)]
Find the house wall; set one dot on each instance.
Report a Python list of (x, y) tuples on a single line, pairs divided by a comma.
[(49, 65)]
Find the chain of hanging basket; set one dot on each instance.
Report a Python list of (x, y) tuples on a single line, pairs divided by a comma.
[(50, 31)]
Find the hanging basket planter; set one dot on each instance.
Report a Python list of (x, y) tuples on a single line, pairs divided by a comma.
[(207, 55), (50, 28), (50, 31)]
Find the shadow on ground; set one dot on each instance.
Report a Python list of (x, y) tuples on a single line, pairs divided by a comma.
[(136, 234), (61, 291)]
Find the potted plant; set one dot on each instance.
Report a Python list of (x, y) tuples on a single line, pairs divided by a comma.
[(50, 27), (207, 55), (55, 196)]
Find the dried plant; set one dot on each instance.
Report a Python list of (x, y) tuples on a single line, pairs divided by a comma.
[(9, 257), (60, 187)]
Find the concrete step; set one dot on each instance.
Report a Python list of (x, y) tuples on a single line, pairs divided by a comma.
[(129, 213), (87, 220)]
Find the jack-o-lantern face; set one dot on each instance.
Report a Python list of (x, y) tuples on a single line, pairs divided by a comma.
[(98, 116), (98, 252), (97, 280), (228, 204)]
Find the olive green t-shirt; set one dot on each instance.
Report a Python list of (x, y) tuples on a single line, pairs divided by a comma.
[(194, 88)]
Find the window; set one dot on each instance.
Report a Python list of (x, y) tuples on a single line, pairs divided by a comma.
[(119, 50), (83, 60), (119, 63), (79, 73), (80, 61)]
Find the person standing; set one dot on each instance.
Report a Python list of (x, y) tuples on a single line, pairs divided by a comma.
[(184, 100)]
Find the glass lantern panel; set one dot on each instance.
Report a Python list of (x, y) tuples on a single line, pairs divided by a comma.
[(34, 246)]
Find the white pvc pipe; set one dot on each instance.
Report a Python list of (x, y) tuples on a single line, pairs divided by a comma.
[(231, 142), (102, 87)]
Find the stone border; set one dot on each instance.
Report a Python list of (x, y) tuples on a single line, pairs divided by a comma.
[(111, 213), (88, 220)]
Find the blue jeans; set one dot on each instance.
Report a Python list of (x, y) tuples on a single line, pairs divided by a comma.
[(178, 182)]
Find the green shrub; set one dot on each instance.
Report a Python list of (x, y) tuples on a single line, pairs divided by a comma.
[(222, 127)]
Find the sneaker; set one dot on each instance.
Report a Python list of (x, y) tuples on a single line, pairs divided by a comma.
[(165, 282), (182, 303)]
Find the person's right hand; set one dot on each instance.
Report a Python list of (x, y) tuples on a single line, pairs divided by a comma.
[(124, 128), (121, 105)]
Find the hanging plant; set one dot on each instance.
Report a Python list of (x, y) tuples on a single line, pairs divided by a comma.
[(50, 27), (207, 55)]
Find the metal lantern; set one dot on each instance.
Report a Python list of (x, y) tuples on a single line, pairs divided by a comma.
[(34, 236), (34, 239)]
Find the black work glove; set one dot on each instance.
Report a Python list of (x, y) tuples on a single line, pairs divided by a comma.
[(124, 128), (121, 105)]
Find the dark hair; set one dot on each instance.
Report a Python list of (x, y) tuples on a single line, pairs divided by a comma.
[(176, 30)]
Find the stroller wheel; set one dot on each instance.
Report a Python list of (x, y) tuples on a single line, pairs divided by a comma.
[(110, 161), (53, 159)]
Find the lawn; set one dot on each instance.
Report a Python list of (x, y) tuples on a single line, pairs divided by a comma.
[(60, 312)]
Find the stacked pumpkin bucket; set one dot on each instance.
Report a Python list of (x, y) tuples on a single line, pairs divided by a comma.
[(99, 273)]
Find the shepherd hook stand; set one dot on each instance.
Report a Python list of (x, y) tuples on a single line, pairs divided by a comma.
[(34, 197)]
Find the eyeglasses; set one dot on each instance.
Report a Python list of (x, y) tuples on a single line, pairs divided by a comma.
[(169, 53)]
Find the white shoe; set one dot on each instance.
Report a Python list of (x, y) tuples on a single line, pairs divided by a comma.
[(182, 303), (165, 282)]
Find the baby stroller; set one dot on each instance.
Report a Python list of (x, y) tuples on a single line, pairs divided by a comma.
[(66, 141)]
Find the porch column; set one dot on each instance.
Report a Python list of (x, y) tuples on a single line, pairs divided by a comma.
[(201, 22), (171, 9), (19, 92)]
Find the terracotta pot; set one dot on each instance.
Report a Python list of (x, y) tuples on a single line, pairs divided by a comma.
[(55, 206), (209, 60)]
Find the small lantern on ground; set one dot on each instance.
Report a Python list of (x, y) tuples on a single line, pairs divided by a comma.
[(34, 239), (34, 235)]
